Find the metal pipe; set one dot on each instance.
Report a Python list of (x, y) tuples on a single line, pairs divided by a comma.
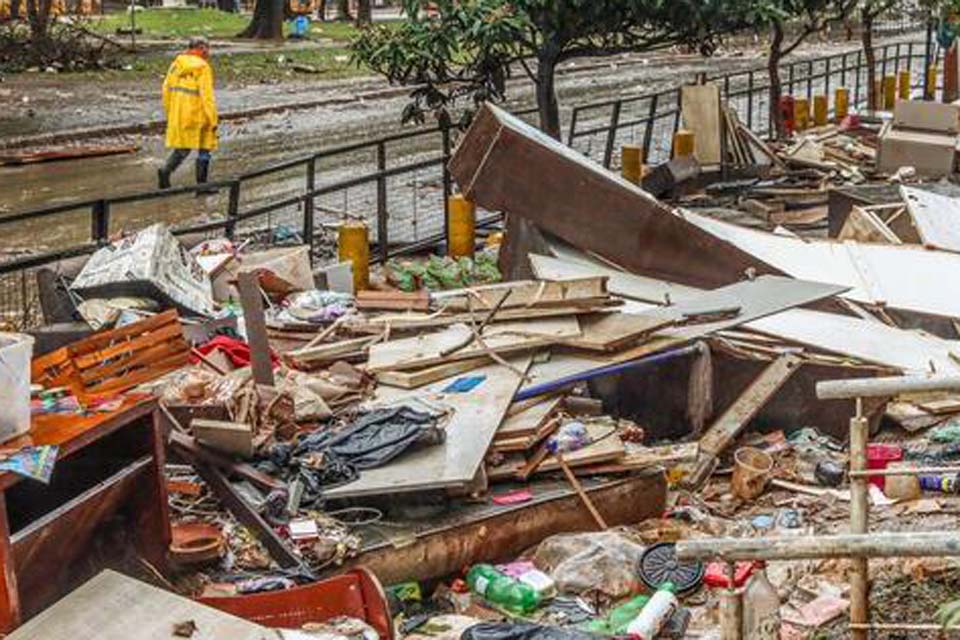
[(880, 387), (917, 471), (546, 387), (847, 545)]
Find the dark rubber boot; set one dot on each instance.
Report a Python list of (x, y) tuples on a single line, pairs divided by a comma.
[(203, 174), (163, 178)]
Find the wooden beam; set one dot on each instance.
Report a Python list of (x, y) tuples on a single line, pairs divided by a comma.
[(251, 298)]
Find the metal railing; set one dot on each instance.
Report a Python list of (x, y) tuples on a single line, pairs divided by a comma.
[(597, 129), (306, 194)]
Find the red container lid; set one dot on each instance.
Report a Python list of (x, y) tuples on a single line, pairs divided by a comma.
[(884, 452)]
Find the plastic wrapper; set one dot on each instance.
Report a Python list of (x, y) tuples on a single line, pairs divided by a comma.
[(317, 306), (603, 562)]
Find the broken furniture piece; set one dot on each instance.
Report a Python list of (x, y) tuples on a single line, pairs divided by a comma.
[(109, 464)]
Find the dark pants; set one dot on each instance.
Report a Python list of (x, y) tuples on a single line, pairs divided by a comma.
[(177, 156)]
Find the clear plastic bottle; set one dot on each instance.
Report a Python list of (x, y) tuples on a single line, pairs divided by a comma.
[(617, 621), (761, 607), (654, 616), (502, 590)]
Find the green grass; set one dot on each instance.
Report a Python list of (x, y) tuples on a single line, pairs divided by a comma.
[(331, 63), (183, 23)]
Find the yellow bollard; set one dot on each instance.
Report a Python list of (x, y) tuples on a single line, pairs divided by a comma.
[(889, 92), (353, 244), (461, 227), (801, 113), (820, 107), (930, 90), (631, 163), (903, 84), (683, 144), (841, 103)]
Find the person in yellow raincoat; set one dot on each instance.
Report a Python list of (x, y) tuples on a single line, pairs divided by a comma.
[(191, 111)]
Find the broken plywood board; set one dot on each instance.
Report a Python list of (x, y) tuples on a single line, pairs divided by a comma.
[(606, 447), (614, 331), (454, 464), (869, 341), (863, 225), (112, 606), (903, 277), (700, 110), (936, 218), (499, 152), (421, 377), (530, 420), (419, 321), (637, 458), (589, 291), (504, 337)]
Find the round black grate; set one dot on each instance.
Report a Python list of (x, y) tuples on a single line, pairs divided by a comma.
[(659, 565)]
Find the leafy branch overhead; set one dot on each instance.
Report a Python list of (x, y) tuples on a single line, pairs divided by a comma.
[(470, 48)]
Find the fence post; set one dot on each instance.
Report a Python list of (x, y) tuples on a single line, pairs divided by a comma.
[(100, 222), (573, 126), (859, 69), (843, 71), (612, 134), (676, 117), (648, 132), (826, 78), (233, 210), (750, 100), (310, 205), (382, 232), (810, 80), (448, 179), (790, 78)]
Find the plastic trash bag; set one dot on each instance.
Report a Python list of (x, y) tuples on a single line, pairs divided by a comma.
[(604, 562), (522, 631)]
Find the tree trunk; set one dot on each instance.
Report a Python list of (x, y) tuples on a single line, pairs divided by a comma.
[(778, 128), (267, 22), (322, 10), (38, 14), (364, 13), (343, 10), (870, 56), (547, 103)]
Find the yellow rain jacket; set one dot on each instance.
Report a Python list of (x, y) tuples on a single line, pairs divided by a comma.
[(189, 104)]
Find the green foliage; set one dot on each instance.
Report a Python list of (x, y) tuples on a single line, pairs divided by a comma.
[(948, 615), (471, 47)]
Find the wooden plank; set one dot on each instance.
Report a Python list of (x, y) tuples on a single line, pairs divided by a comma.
[(249, 517), (529, 421), (330, 351), (864, 225), (936, 217), (393, 300), (476, 417), (112, 606), (502, 338), (732, 421), (416, 321), (251, 299), (607, 447), (614, 331), (590, 291), (639, 458), (421, 377), (171, 332), (700, 110), (235, 438)]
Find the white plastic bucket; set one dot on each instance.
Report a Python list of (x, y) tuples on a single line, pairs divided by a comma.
[(16, 350)]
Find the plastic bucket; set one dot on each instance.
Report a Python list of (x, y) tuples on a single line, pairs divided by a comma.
[(751, 471), (16, 349), (879, 455)]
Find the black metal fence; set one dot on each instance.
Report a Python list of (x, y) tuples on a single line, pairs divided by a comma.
[(402, 184), (598, 129)]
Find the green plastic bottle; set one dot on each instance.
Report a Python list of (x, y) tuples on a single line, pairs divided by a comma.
[(617, 621), (502, 590)]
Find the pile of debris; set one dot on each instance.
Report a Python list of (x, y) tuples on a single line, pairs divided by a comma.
[(650, 384)]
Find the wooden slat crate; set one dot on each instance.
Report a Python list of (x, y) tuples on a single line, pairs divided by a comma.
[(118, 360)]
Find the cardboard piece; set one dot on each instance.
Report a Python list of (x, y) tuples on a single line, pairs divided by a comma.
[(148, 264)]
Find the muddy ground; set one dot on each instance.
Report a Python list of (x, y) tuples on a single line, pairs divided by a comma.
[(350, 110)]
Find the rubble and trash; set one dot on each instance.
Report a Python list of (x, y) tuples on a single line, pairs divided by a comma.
[(531, 458)]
